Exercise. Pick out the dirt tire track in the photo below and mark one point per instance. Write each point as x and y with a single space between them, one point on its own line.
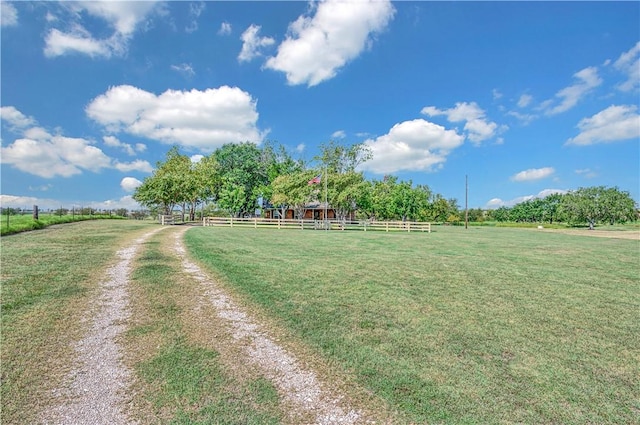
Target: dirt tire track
299 387
95 392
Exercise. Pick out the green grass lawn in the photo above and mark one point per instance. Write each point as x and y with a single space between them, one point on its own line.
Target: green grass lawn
47 278
485 325
178 379
22 223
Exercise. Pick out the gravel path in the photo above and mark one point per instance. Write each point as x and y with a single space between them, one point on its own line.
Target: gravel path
96 389
298 386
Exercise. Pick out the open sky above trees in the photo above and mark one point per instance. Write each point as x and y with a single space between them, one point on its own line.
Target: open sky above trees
526 99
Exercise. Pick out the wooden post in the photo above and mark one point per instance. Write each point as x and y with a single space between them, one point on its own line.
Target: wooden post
387 225
466 202
255 222
231 221
35 212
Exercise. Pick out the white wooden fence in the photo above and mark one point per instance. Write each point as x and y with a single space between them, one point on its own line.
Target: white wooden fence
169 219
388 226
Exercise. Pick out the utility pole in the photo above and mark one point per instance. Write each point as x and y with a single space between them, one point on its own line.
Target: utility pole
466 201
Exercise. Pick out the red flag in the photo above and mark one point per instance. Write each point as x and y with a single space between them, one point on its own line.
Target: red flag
315 180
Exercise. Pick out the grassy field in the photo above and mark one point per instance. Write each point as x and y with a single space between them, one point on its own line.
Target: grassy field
47 277
22 223
181 378
487 325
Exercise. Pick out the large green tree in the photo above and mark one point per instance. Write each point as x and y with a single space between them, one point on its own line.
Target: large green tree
339 159
344 190
345 185
278 162
599 204
168 186
243 177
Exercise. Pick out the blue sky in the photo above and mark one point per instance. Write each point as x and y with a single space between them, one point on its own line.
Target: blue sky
525 98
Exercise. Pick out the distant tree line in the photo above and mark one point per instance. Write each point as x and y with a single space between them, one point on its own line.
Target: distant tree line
588 205
240 180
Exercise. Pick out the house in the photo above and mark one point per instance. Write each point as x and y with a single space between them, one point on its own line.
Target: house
313 211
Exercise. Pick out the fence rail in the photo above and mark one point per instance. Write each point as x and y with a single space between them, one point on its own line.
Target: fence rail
169 219
388 226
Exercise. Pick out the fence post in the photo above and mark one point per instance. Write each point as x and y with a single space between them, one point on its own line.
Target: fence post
387 225
278 223
231 221
255 222
35 212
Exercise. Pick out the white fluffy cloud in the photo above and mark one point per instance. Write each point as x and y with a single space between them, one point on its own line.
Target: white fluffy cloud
114 142
525 100
252 43
417 145
111 204
476 126
57 156
8 14
129 184
339 134
533 174
45 155
14 118
525 119
122 17
587 173
200 119
26 202
78 40
184 69
195 10
629 63
225 29
617 122
316 47
137 165
568 97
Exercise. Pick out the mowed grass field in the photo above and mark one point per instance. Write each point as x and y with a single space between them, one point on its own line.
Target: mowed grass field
477 326
47 278
487 325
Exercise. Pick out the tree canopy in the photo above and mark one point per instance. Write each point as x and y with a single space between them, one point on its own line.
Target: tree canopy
586 205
